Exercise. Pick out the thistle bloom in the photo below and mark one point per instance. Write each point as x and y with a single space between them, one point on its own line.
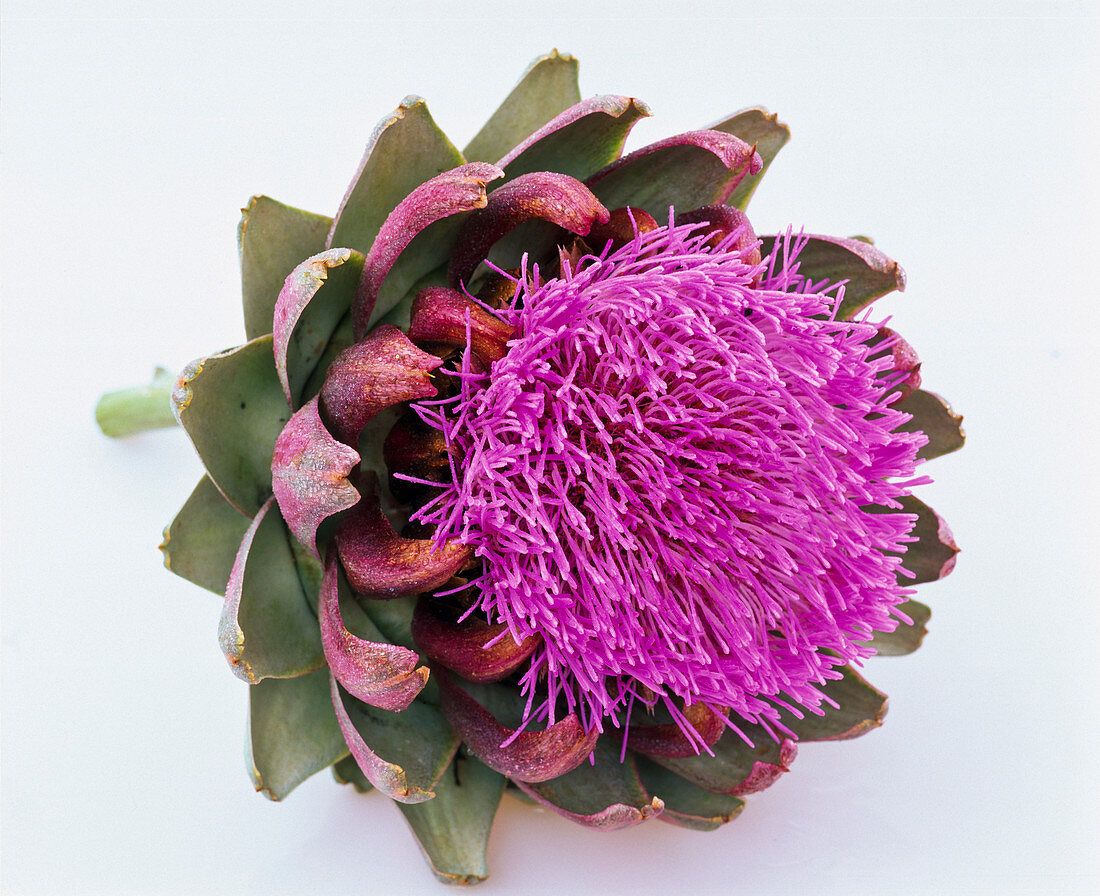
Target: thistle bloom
540 471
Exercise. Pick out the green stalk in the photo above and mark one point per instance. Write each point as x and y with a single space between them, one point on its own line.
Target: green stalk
138 409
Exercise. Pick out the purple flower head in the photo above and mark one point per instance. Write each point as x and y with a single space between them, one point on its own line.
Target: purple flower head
677 476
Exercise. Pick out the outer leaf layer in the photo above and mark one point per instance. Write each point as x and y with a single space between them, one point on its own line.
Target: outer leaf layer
685 804
760 129
293 732
734 762
869 274
859 708
201 543
606 795
406 149
453 829
687 171
233 408
272 238
906 637
347 771
548 87
417 744
578 142
932 555
905 364
267 629
763 774
934 417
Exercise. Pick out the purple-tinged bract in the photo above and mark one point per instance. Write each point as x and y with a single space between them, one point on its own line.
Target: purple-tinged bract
666 476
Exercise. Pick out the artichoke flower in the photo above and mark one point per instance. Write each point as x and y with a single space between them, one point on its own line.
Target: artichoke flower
542 472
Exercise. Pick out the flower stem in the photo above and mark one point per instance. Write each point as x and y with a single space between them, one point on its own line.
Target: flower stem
138 409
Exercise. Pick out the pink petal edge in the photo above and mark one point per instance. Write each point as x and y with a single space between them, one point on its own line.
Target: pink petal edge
387 777
309 470
384 675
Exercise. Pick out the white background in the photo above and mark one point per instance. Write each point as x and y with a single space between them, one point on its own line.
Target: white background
134 131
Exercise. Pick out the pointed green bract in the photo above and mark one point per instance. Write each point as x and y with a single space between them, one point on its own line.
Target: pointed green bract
453 829
309 571
760 129
731 763
549 86
582 145
934 417
200 544
932 555
417 741
292 731
232 407
605 794
267 629
272 238
868 273
685 804
406 149
860 708
356 620
685 172
906 637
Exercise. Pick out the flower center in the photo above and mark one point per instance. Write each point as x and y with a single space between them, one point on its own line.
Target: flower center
666 475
